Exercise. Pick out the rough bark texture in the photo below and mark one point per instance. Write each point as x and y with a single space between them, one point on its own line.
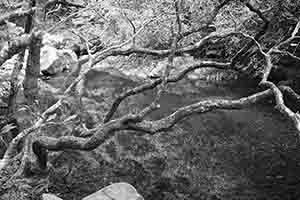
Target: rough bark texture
32 71
14 84
108 130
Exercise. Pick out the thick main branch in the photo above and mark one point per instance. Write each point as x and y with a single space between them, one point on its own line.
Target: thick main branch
129 122
149 86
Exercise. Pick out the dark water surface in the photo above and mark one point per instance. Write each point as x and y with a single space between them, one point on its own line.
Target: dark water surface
251 153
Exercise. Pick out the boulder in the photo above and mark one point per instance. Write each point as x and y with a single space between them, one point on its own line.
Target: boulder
54 61
116 191
47 196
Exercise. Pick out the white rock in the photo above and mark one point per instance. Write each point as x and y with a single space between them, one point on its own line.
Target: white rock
47 196
54 61
48 56
116 191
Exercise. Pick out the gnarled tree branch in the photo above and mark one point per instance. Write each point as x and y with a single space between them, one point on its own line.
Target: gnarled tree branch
60 2
241 54
134 122
168 122
149 86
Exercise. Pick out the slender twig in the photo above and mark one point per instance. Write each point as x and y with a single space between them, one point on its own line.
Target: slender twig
51 29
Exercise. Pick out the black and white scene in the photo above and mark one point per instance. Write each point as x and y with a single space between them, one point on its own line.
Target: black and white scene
149 99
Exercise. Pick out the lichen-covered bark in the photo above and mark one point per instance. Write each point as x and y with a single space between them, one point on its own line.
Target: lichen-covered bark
14 86
134 122
32 71
155 83
29 17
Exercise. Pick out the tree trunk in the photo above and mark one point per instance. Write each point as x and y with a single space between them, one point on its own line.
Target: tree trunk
32 71
14 87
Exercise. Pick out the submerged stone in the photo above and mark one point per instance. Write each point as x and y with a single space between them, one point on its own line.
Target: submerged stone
47 196
116 191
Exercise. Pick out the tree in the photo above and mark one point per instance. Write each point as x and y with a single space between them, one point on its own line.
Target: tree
186 23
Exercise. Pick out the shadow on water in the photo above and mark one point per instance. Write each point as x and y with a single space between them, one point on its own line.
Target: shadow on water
251 153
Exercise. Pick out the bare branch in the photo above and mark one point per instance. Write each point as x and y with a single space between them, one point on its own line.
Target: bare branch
208 27
149 86
291 38
260 14
276 91
54 27
168 122
60 3
130 22
295 117
286 53
274 49
296 30
10 152
52 11
242 52
290 93
117 51
132 122
155 104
